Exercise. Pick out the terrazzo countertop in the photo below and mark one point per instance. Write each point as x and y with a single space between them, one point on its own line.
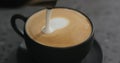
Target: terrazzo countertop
105 14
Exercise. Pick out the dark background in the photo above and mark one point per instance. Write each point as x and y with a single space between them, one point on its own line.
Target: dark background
105 14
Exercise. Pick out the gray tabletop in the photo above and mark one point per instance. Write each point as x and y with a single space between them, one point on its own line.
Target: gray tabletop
105 14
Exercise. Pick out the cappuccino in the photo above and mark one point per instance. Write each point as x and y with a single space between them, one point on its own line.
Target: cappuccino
68 28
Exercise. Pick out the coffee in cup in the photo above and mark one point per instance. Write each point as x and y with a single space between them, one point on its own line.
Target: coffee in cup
68 41
69 28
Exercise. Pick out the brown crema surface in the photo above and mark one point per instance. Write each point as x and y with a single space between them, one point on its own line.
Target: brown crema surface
76 32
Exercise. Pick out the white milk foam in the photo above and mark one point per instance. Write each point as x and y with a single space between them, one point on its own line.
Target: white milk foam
55 24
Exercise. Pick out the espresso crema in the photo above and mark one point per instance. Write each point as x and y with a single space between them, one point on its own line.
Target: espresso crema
69 28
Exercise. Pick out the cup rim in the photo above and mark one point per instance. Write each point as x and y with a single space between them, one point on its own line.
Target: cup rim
90 36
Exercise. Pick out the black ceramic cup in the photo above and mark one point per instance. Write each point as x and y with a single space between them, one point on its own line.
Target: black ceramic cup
46 54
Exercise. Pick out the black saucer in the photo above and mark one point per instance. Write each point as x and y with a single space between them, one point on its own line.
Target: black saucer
21 56
94 56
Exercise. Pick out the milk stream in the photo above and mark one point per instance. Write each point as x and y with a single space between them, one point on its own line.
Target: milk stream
47 29
54 23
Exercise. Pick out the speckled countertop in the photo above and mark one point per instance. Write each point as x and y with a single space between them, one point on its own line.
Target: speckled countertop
105 14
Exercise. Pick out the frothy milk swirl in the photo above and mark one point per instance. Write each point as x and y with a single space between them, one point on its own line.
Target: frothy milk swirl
55 24
67 28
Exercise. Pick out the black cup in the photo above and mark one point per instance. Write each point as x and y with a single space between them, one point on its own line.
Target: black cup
46 54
